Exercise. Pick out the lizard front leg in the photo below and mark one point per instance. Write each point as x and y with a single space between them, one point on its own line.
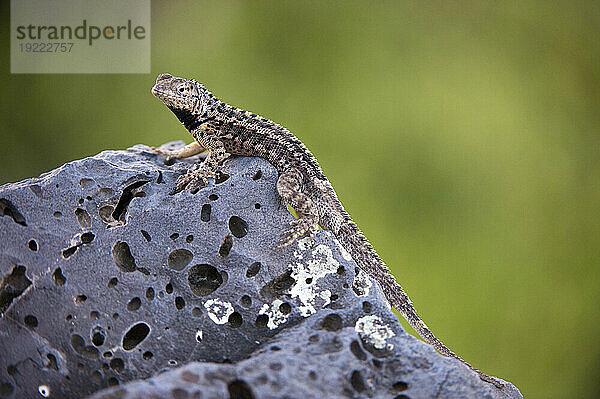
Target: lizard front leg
289 186
197 176
189 150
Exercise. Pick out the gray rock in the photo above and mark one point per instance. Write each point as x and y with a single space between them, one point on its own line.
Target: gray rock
109 279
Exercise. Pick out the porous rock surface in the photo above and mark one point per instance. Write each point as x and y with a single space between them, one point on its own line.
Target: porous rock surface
113 286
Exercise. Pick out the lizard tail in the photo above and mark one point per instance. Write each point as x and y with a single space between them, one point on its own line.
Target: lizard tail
368 260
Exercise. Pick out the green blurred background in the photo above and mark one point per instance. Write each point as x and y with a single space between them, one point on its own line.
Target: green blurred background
463 138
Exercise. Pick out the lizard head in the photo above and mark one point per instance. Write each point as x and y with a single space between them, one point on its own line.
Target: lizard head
182 95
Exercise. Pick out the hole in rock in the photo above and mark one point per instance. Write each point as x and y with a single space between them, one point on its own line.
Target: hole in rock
189 238
117 364
87 237
204 279
179 303
357 381
69 251
226 245
135 335
276 366
134 304
112 282
169 288
78 344
253 269
400 386
246 301
257 175
150 293
261 321
205 213
357 351
147 355
235 320
52 363
179 259
44 391
122 257
220 177
105 213
332 322
367 307
238 226
8 209
86 183
174 236
196 312
12 286
285 308
239 389
83 218
31 321
32 245
128 194
58 277
146 235
257 206
98 336
213 197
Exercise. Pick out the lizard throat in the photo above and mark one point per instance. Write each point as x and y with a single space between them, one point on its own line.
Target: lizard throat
189 120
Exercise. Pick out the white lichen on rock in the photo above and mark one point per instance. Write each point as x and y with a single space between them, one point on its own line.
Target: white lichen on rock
305 243
276 316
374 331
218 310
306 274
361 284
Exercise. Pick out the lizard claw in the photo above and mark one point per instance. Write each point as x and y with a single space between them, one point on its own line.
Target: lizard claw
164 153
194 180
299 227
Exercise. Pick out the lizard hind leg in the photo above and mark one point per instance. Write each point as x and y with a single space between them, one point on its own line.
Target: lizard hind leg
289 186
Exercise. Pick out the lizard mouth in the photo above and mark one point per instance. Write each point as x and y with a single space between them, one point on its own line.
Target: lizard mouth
164 94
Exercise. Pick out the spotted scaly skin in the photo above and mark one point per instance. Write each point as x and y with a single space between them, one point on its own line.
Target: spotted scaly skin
223 130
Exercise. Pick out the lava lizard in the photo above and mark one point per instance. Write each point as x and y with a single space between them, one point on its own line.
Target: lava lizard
223 129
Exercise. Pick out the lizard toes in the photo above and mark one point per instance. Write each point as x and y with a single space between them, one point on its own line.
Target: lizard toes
196 183
285 240
182 182
163 153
